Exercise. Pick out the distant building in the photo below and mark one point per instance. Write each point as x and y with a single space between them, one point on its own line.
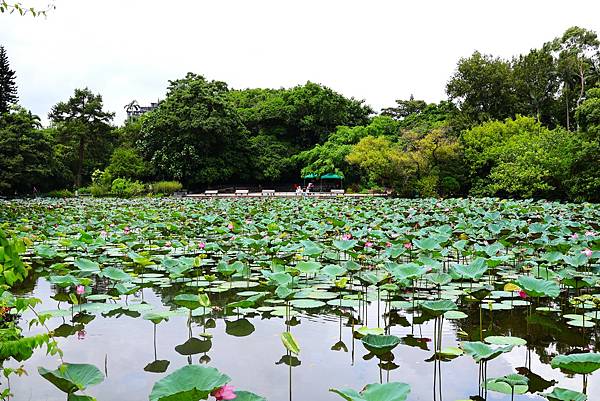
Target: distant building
133 109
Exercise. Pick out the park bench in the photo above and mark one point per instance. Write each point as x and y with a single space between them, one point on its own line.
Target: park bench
211 192
337 191
268 192
241 192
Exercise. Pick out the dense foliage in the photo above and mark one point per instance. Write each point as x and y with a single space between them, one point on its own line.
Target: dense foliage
522 127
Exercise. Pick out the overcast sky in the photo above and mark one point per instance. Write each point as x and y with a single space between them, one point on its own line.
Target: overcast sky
376 50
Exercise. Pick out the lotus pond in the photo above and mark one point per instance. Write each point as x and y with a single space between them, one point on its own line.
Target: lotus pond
308 300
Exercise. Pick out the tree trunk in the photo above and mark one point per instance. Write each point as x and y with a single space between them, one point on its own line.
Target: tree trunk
582 91
567 107
80 162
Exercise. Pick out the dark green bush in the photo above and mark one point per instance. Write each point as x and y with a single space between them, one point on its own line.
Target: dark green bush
166 187
60 193
125 188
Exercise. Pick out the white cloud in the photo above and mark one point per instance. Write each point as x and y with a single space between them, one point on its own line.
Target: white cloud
379 50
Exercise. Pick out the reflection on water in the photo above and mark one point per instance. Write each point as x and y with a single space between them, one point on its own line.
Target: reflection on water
134 353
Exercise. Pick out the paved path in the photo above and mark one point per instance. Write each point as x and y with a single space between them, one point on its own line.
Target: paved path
282 195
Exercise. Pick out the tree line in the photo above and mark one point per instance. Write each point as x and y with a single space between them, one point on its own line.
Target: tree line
521 127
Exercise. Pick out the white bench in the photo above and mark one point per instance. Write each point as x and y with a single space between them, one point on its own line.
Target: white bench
268 192
338 191
211 192
241 192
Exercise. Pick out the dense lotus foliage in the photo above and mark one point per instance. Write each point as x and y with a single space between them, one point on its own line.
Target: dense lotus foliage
467 263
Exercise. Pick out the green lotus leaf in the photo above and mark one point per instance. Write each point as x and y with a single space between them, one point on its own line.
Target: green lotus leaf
483 352
380 344
577 363
116 274
333 270
290 343
307 303
86 265
192 382
438 278
76 397
364 331
438 307
72 377
563 394
510 384
344 245
308 267
455 315
248 396
536 287
502 340
393 391
189 301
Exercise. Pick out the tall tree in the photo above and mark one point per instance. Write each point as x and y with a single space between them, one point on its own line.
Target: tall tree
578 52
195 135
25 153
405 108
483 88
8 87
82 121
537 83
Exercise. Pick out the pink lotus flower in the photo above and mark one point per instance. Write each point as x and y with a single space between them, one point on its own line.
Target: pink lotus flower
408 245
127 230
230 226
168 244
590 234
81 334
388 244
368 244
201 245
80 290
587 252
522 294
103 234
346 237
574 236
224 393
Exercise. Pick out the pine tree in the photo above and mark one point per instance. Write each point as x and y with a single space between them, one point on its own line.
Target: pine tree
8 88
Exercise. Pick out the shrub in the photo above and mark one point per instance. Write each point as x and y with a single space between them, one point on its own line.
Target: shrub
125 188
127 163
60 193
101 183
166 187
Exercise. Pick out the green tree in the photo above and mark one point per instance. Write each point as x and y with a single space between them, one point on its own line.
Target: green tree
519 158
405 108
26 156
380 160
127 163
330 157
537 84
588 113
578 62
83 124
483 89
195 135
8 87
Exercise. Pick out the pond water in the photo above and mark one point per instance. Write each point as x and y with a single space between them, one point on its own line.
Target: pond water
243 341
